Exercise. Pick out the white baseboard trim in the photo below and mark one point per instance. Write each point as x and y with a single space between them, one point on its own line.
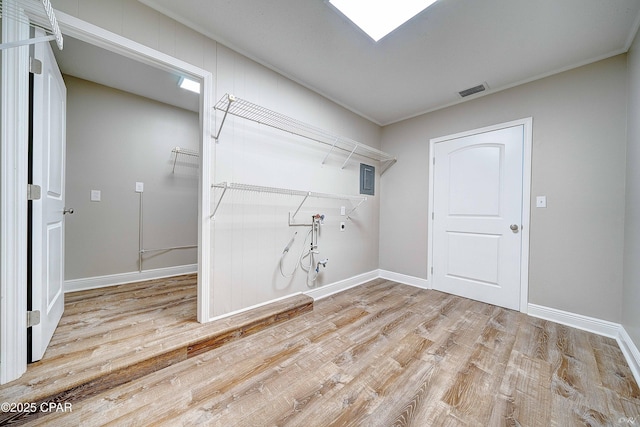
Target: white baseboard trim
404 279
630 352
261 304
342 285
316 294
596 326
75 285
586 323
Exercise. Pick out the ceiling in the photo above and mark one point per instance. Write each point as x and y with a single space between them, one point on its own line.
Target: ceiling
88 62
420 67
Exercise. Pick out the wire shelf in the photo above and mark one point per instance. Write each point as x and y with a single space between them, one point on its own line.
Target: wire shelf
230 104
284 191
178 151
37 14
185 151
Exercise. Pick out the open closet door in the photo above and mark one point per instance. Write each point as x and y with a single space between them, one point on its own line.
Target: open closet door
47 161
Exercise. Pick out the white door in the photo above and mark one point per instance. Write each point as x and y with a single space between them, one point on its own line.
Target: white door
48 171
477 206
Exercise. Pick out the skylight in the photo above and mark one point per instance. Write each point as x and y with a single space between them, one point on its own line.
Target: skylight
378 18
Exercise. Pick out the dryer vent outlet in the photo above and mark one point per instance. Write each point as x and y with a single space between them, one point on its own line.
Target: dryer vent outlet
473 90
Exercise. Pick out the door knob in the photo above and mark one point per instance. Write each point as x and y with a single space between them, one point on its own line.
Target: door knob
67 211
514 228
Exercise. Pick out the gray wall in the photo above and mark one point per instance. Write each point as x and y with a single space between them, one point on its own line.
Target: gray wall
578 162
631 290
115 139
246 246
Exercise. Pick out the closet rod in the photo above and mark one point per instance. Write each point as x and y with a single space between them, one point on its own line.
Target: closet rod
144 251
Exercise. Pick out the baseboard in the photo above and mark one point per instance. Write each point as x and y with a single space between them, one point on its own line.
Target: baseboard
630 352
578 321
596 326
253 307
316 294
404 279
121 278
342 285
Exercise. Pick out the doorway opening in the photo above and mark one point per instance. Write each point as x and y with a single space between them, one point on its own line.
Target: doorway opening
134 191
14 332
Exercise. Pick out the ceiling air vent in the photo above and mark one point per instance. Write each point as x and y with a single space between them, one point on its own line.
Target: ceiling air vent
472 90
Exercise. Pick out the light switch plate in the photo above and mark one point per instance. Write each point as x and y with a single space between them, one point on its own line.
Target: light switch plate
96 195
139 187
343 210
541 201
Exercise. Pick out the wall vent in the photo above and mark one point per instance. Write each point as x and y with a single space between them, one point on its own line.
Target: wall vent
480 88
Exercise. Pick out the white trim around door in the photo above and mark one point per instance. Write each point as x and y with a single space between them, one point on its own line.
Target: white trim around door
13 201
13 349
527 124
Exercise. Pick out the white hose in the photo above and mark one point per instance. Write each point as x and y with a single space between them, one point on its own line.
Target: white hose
286 250
309 253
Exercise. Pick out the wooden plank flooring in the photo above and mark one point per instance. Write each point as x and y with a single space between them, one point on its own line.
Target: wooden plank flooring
114 335
383 354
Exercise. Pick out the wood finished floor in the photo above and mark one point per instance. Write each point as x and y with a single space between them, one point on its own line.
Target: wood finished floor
384 354
110 336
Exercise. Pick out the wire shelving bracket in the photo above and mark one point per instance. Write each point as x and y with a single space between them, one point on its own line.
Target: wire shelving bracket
233 105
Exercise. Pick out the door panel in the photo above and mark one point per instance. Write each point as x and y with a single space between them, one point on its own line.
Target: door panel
474 181
47 225
53 274
55 141
483 248
477 197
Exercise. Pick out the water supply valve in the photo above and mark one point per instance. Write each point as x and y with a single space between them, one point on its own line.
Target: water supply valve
321 263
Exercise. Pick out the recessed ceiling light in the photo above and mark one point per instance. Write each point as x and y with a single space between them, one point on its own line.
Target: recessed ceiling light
189 84
378 18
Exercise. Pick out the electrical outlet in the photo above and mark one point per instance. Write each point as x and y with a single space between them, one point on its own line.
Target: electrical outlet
139 187
96 195
343 210
541 201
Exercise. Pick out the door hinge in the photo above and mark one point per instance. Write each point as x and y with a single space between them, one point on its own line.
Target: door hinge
33 318
34 192
432 271
434 160
433 215
35 66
